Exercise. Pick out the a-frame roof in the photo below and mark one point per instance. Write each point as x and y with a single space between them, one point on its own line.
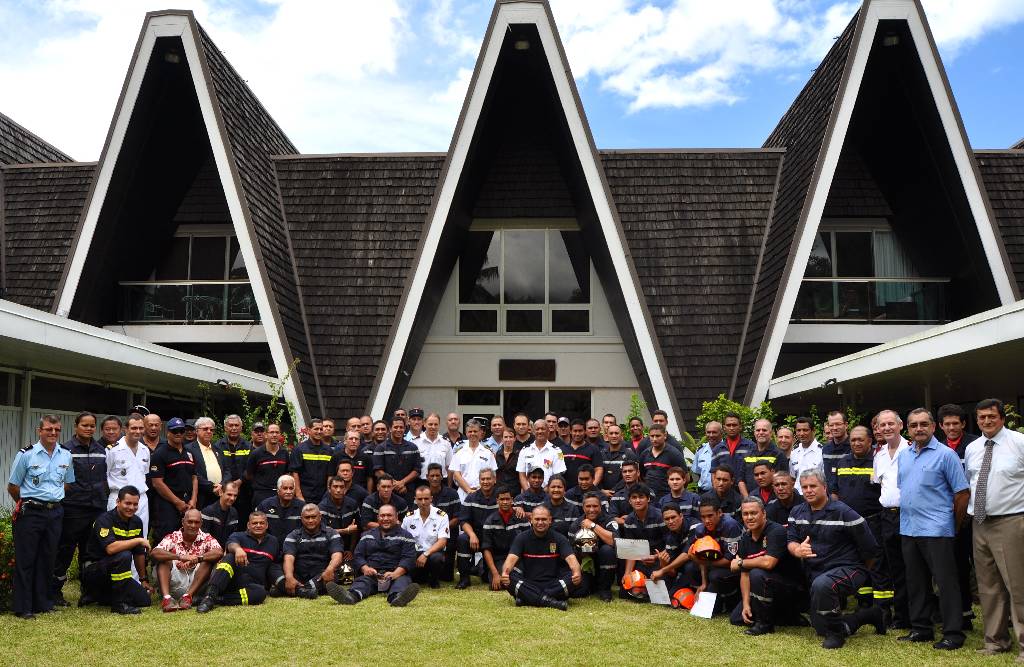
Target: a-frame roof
813 132
243 137
20 146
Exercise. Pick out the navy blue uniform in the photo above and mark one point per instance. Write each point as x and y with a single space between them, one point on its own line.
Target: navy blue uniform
730 503
232 584
371 507
498 535
313 463
562 515
778 512
219 522
575 497
176 467
721 580
362 465
655 468
263 468
852 482
84 500
599 574
842 545
384 551
447 500
770 455
282 520
397 460
688 502
651 528
618 504
613 461
529 500
236 457
576 456
541 571
832 453
776 594
735 459
108 578
312 552
476 507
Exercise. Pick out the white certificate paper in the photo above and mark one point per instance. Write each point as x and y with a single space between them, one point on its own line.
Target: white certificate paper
657 591
705 605
632 549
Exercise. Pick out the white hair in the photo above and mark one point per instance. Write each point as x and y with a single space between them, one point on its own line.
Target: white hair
231 417
205 421
282 479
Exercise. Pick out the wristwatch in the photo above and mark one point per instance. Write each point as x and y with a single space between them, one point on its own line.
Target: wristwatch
740 564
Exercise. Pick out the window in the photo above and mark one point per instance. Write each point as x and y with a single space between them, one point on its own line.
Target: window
524 281
571 403
200 278
859 272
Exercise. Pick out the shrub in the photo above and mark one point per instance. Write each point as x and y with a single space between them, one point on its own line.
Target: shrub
717 409
6 561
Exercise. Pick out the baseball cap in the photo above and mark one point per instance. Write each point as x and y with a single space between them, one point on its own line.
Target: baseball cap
536 469
175 424
416 412
190 424
259 426
563 421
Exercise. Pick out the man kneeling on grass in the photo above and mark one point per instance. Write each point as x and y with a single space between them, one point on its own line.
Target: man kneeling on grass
384 557
184 560
248 569
549 571
311 555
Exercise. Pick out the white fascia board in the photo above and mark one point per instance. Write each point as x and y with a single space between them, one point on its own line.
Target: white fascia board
992 327
180 26
860 334
192 333
37 327
879 10
518 14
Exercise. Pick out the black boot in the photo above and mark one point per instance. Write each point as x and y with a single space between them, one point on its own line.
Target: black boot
871 616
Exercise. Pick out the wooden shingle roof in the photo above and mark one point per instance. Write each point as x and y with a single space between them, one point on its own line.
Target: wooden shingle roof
1003 175
19 146
41 207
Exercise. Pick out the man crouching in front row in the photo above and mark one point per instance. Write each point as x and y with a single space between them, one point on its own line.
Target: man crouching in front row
549 571
384 557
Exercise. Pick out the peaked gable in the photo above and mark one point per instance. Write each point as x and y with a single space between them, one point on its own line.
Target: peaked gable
241 138
20 146
511 23
817 127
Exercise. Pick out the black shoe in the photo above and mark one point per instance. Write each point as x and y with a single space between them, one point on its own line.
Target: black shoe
435 584
339 594
873 616
968 626
206 605
947 644
605 596
917 637
406 596
833 641
896 624
560 605
520 603
86 600
463 583
759 629
306 593
125 609
25 615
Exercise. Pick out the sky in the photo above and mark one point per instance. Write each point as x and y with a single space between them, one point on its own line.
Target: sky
391 75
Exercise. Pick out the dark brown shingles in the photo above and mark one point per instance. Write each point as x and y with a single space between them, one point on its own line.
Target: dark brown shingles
42 206
802 133
355 222
254 137
1002 173
695 223
19 146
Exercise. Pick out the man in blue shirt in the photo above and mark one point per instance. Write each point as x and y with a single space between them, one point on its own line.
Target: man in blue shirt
39 475
933 503
702 459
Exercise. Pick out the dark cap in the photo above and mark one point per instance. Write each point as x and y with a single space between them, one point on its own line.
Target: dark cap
190 424
175 423
416 412
563 421
535 469
259 426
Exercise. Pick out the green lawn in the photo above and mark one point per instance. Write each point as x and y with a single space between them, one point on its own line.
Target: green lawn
442 627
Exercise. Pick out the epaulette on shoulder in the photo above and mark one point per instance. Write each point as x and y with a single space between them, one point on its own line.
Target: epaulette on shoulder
409 513
112 445
440 512
26 448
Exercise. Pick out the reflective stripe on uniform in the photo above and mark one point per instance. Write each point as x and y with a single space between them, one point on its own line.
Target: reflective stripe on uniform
855 471
121 532
227 568
316 457
120 576
242 593
884 595
864 590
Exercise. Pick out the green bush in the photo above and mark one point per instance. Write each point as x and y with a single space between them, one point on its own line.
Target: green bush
715 411
6 561
853 418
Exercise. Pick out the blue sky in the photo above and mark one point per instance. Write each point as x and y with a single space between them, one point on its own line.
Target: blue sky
351 75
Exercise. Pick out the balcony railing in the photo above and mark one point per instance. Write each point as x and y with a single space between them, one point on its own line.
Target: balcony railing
872 301
190 302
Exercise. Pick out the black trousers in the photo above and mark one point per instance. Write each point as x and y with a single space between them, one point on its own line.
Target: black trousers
231 585
929 558
164 518
431 572
881 590
774 599
74 534
363 587
963 552
464 555
110 581
36 534
533 593
889 523
828 592
600 579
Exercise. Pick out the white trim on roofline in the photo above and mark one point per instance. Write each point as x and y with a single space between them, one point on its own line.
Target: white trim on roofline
878 10
509 14
179 25
992 327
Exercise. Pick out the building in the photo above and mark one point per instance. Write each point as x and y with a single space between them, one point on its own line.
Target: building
524 268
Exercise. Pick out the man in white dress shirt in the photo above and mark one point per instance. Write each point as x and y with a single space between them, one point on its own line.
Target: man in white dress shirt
886 473
806 454
474 457
433 448
128 465
429 527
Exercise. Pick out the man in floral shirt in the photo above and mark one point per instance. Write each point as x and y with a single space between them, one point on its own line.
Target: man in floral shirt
185 559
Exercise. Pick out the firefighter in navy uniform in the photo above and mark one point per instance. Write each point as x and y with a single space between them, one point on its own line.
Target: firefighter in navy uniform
715 576
265 464
446 499
771 583
476 507
248 570
39 476
677 536
837 549
116 540
786 497
383 560
541 569
645 522
563 512
283 510
173 480
593 536
854 484
533 496
499 529
311 556
341 512
310 464
220 519
85 499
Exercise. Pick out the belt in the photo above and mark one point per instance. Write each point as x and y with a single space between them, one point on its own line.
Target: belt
32 502
1003 516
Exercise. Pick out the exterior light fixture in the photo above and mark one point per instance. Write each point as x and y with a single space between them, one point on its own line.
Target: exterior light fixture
522 45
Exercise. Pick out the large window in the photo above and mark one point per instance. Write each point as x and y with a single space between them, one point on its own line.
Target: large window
524 281
200 278
571 403
859 272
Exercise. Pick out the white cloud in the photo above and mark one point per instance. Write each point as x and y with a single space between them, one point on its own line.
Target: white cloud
956 23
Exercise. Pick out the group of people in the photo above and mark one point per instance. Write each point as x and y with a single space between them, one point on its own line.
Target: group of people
778 526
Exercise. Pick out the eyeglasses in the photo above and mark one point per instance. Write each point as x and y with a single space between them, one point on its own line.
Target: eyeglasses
177 431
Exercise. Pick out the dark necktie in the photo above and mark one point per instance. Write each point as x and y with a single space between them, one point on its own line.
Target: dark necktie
982 488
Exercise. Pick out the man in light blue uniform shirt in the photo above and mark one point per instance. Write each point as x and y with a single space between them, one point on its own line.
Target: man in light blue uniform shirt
933 503
37 484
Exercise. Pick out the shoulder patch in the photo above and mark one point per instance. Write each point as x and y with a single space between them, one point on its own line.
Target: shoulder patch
112 445
26 448
104 532
440 512
409 513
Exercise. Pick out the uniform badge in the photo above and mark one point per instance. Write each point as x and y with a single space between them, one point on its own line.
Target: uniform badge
124 472
104 532
553 547
35 480
733 547
764 543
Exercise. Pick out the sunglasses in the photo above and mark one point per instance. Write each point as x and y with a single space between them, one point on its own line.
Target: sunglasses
177 431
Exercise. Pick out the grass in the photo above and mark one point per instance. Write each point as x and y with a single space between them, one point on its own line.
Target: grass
440 627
